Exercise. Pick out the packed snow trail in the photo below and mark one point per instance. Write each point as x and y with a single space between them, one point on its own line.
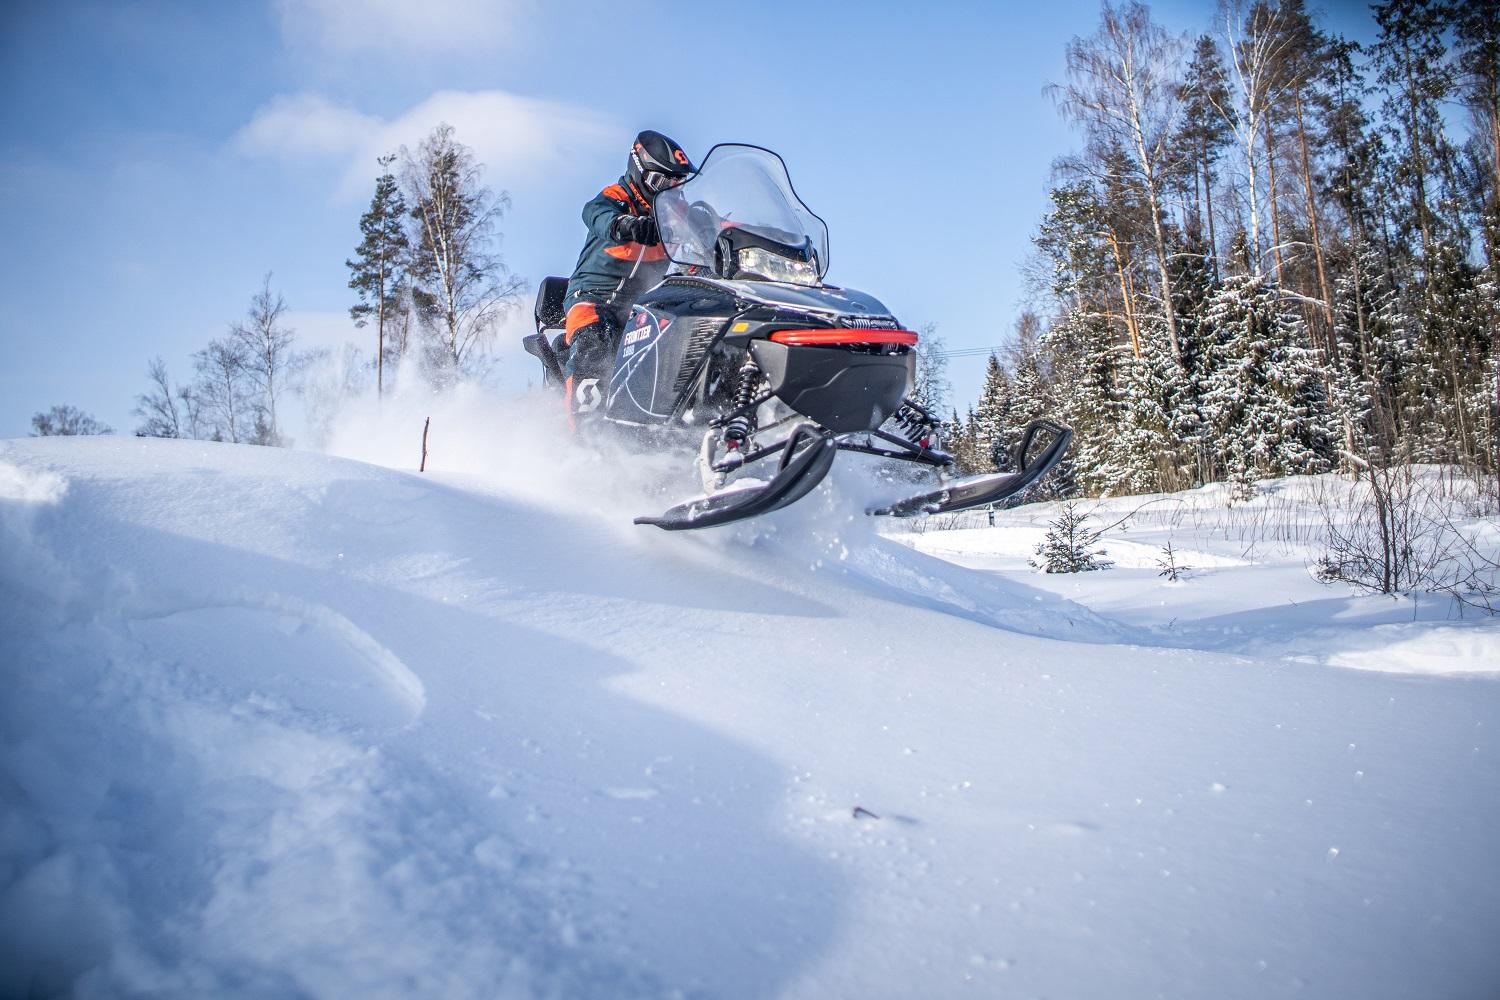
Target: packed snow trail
279 724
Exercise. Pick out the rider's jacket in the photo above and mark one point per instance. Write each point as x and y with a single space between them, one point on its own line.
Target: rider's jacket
612 274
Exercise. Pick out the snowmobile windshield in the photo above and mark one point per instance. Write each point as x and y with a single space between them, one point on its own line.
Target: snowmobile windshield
743 187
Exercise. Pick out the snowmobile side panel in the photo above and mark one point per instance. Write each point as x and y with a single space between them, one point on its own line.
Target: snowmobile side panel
980 491
667 337
800 471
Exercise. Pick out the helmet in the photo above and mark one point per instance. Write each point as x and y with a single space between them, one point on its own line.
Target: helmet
656 163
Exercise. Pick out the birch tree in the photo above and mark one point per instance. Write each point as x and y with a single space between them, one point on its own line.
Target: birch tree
223 399
157 407
1122 92
461 285
1259 47
265 348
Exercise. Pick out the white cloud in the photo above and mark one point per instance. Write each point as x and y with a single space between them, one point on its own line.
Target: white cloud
298 125
422 27
520 140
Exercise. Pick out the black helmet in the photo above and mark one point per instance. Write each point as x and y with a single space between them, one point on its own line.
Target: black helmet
656 163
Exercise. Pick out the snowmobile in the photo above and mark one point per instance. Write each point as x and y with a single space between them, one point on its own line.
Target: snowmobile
744 351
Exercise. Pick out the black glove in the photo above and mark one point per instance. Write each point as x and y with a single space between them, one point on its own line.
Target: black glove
634 229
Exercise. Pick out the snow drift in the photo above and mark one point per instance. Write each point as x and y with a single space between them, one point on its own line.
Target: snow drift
281 724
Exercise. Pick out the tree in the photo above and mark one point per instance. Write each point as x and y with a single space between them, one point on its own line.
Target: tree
1477 41
223 399
1259 47
1418 80
1120 90
931 386
66 421
380 262
991 418
1029 389
461 285
1263 400
1068 546
267 360
157 407
1205 130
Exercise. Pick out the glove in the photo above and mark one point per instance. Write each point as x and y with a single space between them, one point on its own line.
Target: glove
634 229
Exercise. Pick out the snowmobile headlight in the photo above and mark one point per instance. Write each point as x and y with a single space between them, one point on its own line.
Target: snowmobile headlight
760 263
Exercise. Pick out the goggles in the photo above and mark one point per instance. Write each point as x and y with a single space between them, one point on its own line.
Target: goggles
657 181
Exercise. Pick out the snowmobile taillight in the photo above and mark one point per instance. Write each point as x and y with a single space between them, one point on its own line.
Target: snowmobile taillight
827 337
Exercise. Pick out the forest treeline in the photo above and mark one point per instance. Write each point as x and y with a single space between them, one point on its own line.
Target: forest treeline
1275 252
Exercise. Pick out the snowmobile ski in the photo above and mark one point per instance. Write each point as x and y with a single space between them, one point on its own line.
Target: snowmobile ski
980 491
805 460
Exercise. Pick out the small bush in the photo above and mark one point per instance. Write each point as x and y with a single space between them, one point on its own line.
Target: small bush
1169 566
1069 546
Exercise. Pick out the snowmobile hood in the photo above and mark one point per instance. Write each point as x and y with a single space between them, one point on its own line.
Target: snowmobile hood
826 299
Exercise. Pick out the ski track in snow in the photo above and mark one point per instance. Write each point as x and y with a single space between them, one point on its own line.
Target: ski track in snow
280 724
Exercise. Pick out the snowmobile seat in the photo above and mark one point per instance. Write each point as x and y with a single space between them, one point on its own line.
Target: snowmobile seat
550 314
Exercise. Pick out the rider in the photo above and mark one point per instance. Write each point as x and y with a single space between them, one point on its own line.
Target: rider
621 258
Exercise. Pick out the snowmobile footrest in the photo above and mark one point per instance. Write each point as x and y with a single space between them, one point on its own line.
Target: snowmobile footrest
983 490
536 345
805 460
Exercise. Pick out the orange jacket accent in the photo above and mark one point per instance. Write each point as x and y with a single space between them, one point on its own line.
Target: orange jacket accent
636 251
581 314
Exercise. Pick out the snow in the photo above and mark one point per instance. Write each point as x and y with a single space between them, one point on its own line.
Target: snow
288 724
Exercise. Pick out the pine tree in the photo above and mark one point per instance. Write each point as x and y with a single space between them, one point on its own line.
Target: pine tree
992 417
379 263
1263 399
1207 128
1477 46
1068 546
1149 443
1409 56
1084 367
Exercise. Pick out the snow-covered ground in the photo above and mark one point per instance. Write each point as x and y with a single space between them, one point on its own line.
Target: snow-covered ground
279 724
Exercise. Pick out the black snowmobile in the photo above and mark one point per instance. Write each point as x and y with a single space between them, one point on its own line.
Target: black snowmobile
743 348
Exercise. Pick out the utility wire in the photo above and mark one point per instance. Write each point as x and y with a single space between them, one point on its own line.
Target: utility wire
970 352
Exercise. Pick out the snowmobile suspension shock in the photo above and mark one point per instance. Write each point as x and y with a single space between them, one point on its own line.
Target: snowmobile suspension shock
742 424
916 424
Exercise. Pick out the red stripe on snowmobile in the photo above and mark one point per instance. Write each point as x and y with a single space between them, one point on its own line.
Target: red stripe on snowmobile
841 336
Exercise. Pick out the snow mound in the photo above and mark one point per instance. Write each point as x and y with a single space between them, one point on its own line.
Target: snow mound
282 724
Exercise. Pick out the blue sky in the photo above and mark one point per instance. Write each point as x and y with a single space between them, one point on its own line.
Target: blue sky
157 158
